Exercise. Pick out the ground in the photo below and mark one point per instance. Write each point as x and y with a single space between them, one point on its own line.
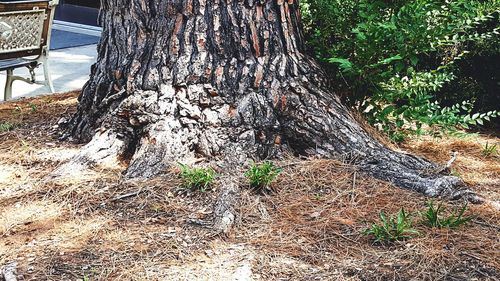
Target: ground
92 226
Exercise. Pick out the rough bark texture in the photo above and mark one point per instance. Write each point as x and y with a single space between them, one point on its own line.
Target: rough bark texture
226 81
8 272
225 208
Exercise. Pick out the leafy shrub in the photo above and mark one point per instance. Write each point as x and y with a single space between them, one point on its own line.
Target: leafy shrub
433 217
395 228
397 59
262 175
196 178
6 127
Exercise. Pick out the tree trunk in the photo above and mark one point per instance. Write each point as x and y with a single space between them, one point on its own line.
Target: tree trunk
226 81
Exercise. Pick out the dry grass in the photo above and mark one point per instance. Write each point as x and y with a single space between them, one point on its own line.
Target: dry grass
320 213
72 228
478 170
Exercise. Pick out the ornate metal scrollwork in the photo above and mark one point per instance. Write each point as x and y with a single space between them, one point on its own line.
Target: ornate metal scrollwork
21 30
5 31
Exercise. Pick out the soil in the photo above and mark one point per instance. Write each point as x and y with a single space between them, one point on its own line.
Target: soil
96 226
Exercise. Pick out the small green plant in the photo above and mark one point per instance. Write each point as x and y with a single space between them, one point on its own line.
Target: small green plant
196 178
433 217
490 150
395 228
6 127
262 175
456 173
317 196
33 107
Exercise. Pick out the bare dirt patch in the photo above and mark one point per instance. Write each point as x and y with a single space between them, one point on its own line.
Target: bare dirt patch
98 227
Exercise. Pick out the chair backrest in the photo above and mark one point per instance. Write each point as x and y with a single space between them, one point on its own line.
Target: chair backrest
25 27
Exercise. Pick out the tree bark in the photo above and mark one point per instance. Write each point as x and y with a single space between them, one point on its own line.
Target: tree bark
223 80
8 272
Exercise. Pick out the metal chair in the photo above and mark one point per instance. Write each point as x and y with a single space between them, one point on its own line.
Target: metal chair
25 28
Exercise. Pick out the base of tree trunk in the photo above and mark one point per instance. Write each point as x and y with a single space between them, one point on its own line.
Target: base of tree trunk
151 131
227 82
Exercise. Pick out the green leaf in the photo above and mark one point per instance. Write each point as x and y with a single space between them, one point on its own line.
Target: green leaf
389 60
414 60
387 110
383 217
344 64
401 217
400 123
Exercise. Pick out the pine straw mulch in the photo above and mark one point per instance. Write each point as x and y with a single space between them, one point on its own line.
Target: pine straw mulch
97 227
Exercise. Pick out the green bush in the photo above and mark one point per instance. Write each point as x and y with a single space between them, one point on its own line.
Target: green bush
397 59
196 178
262 175
394 228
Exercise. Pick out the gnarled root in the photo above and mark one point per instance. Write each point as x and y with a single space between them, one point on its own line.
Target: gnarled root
224 214
8 272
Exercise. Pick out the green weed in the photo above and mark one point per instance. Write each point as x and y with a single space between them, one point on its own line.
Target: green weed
433 217
318 196
33 107
6 127
490 150
394 228
196 178
456 173
262 175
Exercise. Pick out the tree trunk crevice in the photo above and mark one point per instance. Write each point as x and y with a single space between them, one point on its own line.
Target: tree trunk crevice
223 80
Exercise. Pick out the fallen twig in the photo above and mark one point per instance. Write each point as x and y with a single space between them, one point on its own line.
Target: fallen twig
200 222
486 224
471 256
131 194
453 158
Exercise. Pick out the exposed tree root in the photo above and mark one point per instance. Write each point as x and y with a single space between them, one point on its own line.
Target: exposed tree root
225 213
154 136
158 149
225 208
8 272
106 150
